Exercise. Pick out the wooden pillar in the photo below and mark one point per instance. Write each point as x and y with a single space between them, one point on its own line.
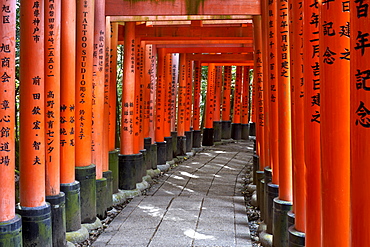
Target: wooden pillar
84 78
312 122
67 92
196 105
218 90
273 87
128 87
237 94
284 104
226 104
245 96
106 124
7 113
147 89
217 125
168 96
188 92
32 99
208 137
283 204
32 126
334 120
52 94
113 87
138 99
98 88
181 98
153 91
174 85
359 123
226 91
159 135
299 169
84 66
258 94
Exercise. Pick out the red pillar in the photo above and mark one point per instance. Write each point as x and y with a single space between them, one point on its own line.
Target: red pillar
174 85
218 90
67 92
210 96
245 96
258 88
334 120
196 109
98 89
284 104
113 87
7 113
189 98
359 123
128 87
32 117
168 96
181 98
312 123
299 169
273 87
159 135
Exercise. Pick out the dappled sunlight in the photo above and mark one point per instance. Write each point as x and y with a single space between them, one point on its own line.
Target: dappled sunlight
195 235
177 177
230 168
189 175
179 186
151 210
221 152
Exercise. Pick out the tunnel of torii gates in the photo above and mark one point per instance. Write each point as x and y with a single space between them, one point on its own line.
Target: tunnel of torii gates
309 105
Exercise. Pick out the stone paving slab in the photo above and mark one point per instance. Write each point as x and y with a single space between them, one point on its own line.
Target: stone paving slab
198 203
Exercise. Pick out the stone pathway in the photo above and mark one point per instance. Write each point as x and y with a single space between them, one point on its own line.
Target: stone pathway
198 203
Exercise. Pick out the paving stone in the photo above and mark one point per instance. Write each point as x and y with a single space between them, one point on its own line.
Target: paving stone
197 203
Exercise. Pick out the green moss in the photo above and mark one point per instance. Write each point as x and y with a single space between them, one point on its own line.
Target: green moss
192 6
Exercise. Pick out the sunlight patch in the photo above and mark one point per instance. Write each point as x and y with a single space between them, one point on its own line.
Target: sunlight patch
193 234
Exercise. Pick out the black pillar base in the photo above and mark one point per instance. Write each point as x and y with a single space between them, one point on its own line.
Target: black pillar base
236 131
280 222
245 131
252 129
127 171
296 238
73 209
36 225
291 218
149 152
272 193
138 167
86 175
11 232
256 165
268 177
161 153
109 198
169 148
113 166
144 164
58 218
181 146
197 137
101 194
174 143
226 129
208 138
259 177
154 149
189 140
217 131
